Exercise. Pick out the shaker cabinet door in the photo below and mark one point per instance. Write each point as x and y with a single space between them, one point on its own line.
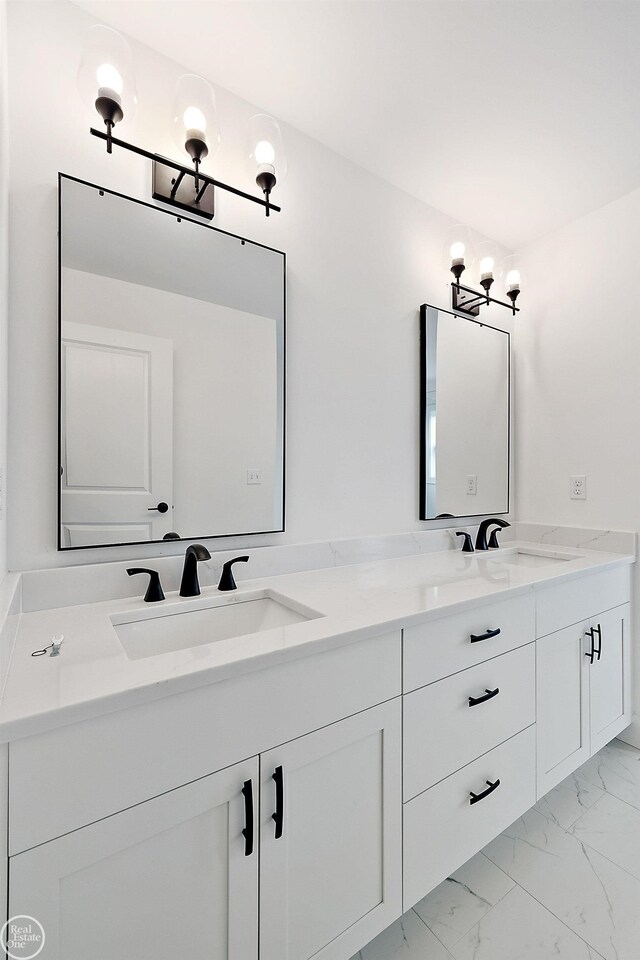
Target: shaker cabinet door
562 704
171 877
330 861
610 676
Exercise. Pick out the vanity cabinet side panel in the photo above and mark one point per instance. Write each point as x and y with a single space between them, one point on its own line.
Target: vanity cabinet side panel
152 748
562 604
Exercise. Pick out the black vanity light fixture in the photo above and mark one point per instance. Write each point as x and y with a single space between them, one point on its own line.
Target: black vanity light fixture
461 256
107 84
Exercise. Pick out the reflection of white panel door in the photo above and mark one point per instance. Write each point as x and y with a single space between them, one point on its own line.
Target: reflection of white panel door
117 435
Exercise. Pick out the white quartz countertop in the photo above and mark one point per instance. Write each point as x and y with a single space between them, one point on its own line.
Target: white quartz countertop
93 674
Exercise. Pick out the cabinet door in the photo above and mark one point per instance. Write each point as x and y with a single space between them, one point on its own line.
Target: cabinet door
331 878
610 676
562 704
167 878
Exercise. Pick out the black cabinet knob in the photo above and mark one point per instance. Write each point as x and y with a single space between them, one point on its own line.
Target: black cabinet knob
161 508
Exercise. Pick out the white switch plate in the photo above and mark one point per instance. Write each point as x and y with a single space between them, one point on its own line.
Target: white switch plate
254 476
472 485
578 488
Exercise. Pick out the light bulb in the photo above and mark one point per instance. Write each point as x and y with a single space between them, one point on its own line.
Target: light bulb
110 81
194 119
513 280
457 251
486 268
264 153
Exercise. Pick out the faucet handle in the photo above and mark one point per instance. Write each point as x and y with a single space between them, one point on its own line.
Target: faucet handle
493 539
227 579
467 546
154 591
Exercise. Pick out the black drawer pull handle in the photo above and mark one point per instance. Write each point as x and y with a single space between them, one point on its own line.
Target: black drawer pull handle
278 816
247 833
590 653
598 652
484 636
488 695
477 797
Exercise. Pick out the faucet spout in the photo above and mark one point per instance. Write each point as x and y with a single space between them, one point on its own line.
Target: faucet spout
481 538
190 586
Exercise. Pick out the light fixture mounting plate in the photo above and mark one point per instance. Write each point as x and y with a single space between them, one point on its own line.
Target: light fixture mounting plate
179 190
466 301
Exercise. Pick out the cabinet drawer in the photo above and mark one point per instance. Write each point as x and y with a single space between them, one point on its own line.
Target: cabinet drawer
443 731
441 647
89 770
442 829
564 604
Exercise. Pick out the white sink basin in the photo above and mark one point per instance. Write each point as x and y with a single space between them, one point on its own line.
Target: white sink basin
149 633
532 558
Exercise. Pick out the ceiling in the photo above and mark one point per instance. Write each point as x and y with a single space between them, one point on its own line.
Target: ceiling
515 116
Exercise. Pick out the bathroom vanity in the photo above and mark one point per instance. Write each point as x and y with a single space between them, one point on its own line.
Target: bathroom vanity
294 789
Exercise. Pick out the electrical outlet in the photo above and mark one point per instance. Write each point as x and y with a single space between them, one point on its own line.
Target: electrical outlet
472 485
254 476
578 488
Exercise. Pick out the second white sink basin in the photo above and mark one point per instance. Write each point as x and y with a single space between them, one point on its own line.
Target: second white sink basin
532 558
148 633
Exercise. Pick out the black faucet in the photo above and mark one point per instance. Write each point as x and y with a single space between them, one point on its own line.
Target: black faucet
190 586
481 538
227 579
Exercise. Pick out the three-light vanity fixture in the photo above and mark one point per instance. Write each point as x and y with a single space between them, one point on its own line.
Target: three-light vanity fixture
461 255
107 84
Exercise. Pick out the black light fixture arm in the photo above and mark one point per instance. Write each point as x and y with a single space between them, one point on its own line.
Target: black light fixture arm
185 171
473 298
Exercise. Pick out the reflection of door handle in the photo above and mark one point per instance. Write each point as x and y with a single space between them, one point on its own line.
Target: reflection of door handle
161 508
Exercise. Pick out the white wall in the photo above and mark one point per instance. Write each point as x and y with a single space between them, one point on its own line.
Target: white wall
361 257
4 296
578 375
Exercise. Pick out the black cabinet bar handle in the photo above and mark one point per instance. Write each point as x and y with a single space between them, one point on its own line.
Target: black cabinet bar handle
247 833
476 797
278 816
591 653
598 630
488 695
484 636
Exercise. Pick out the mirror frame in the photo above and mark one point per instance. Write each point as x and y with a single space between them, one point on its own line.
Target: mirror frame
205 226
423 412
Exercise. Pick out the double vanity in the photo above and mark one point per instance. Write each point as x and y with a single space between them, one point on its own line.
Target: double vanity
287 767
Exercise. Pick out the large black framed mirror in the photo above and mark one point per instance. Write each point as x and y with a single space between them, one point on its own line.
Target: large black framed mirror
171 375
464 416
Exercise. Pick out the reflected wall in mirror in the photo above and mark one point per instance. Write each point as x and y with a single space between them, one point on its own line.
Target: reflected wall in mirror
172 381
464 416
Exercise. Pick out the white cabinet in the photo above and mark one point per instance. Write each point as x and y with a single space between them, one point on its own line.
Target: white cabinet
330 861
177 876
167 878
583 692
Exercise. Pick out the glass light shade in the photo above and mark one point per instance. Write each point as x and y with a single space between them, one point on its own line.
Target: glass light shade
512 274
459 248
106 70
266 149
487 262
194 114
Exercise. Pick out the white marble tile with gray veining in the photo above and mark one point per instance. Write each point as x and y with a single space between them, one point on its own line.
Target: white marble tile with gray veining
569 800
519 928
457 904
616 541
616 769
593 896
612 827
406 939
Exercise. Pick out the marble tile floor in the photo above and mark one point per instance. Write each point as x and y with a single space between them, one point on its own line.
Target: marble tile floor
561 882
